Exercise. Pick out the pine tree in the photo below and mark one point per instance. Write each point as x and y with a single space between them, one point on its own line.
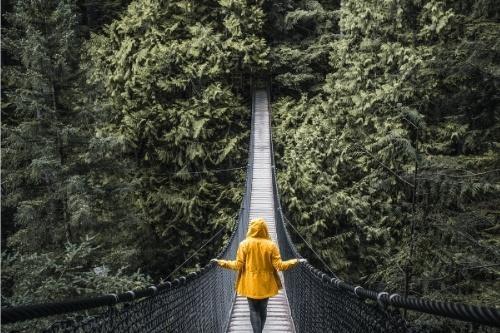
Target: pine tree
409 84
48 207
301 33
39 124
165 71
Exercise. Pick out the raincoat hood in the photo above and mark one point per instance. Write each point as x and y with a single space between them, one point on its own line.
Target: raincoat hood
258 261
258 229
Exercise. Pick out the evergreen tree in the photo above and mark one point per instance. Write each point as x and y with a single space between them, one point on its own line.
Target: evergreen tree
47 203
408 82
39 125
164 70
301 33
125 126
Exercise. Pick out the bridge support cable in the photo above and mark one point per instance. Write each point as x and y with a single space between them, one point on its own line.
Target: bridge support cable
323 303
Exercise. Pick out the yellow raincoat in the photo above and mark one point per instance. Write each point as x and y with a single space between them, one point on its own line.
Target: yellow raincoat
257 262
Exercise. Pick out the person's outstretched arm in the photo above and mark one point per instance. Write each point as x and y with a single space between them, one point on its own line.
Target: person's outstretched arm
234 264
279 264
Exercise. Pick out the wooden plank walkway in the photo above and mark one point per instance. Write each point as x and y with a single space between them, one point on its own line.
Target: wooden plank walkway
262 205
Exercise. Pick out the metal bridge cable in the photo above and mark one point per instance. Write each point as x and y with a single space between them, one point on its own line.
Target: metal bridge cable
466 176
166 306
205 171
178 173
185 261
383 165
348 307
309 245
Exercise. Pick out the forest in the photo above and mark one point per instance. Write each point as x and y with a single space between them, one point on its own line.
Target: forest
125 131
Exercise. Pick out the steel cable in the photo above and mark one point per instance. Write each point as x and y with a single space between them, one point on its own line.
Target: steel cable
338 306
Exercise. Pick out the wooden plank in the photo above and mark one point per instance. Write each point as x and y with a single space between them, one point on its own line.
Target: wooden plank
262 205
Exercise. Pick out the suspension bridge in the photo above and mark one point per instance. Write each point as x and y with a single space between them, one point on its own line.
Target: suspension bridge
205 301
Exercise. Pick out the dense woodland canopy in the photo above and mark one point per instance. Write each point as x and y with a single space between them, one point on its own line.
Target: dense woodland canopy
125 128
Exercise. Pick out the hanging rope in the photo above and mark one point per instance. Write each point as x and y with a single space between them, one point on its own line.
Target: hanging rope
339 304
308 245
191 256
200 301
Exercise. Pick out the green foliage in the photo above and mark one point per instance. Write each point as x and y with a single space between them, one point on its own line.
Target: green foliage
301 33
39 123
406 81
117 114
53 276
163 70
117 136
243 22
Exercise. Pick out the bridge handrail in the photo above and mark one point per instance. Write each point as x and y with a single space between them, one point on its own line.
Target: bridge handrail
19 313
477 314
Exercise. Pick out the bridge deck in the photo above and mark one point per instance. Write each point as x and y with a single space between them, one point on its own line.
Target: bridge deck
261 205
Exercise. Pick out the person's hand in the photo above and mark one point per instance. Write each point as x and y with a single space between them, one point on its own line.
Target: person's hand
214 260
302 260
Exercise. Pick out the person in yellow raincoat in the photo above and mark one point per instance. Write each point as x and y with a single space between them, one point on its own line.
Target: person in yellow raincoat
257 262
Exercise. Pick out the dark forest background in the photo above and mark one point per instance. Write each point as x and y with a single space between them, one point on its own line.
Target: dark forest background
125 127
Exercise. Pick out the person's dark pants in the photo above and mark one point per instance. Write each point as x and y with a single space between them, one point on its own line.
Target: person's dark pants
258 313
